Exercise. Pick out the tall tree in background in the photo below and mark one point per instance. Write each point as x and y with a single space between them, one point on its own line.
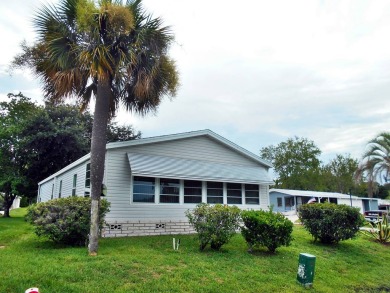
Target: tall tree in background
37 141
116 52
375 163
338 174
295 162
14 116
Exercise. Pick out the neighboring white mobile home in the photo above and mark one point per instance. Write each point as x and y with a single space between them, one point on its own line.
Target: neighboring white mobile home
151 182
287 200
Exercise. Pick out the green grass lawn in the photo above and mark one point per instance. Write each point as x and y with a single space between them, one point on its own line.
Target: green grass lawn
149 264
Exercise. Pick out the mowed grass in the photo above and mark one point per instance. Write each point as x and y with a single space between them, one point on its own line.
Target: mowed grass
149 264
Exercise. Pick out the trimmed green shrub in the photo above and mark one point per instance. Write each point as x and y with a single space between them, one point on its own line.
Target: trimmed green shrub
266 228
330 223
215 224
65 220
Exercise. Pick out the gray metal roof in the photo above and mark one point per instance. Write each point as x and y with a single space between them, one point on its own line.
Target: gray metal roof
170 167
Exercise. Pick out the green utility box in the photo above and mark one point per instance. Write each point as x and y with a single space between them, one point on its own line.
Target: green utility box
306 264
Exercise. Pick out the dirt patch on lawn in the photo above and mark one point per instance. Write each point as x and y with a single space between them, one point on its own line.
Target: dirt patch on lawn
2 246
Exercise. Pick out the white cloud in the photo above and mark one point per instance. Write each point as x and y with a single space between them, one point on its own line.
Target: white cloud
258 72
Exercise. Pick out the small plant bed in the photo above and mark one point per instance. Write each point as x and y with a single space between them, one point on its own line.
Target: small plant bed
149 264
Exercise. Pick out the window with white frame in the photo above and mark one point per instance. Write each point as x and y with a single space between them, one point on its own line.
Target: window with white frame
252 194
52 191
143 189
60 190
279 202
192 191
234 193
169 190
214 192
88 175
74 185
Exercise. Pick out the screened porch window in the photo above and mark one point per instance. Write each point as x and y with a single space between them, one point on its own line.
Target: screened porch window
252 194
234 194
214 192
143 189
169 190
192 191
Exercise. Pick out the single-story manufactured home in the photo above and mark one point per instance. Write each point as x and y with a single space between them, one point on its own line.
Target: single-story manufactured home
287 200
151 182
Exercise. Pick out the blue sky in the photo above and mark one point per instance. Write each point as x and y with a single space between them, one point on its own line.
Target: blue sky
258 72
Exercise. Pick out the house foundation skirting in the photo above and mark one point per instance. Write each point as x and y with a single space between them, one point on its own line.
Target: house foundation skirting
144 228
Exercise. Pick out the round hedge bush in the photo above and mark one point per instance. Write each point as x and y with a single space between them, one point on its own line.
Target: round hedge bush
329 222
65 220
266 228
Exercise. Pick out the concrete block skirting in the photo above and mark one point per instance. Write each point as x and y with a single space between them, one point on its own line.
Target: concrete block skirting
140 228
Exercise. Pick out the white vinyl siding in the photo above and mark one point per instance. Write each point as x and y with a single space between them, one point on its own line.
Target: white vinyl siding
196 148
45 190
65 181
119 181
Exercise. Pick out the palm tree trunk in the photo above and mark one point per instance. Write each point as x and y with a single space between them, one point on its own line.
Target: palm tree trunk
98 153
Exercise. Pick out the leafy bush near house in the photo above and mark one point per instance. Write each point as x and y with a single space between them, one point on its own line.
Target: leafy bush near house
330 223
379 231
215 224
65 220
266 228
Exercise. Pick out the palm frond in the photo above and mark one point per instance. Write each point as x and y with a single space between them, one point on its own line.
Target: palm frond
134 60
375 161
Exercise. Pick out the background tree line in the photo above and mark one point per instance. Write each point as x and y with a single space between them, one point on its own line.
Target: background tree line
297 165
37 141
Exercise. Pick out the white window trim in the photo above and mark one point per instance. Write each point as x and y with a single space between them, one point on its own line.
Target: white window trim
156 192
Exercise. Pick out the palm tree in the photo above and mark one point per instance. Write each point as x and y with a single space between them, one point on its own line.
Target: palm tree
375 162
114 52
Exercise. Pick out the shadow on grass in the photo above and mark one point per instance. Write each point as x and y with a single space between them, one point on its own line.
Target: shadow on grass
264 252
41 243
